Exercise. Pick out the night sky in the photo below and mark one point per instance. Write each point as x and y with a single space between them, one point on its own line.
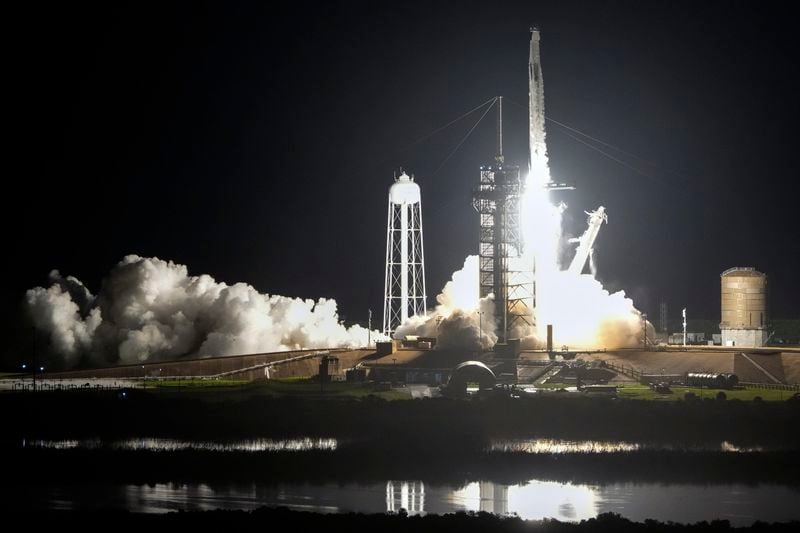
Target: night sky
256 143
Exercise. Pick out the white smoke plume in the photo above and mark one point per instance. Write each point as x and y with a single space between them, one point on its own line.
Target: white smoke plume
585 315
64 311
151 309
461 319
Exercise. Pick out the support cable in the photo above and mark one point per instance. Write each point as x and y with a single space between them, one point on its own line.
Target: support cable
609 145
394 155
446 159
437 130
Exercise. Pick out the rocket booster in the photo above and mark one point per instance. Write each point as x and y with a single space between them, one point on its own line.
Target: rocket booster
538 149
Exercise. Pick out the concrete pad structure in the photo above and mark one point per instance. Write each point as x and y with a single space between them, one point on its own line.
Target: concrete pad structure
241 367
752 365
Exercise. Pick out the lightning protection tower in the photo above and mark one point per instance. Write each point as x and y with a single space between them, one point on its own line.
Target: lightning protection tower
404 285
497 201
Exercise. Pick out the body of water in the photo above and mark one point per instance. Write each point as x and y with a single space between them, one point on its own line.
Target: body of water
741 504
535 499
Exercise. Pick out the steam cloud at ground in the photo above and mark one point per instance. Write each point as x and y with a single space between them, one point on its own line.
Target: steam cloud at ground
460 319
150 309
587 316
584 314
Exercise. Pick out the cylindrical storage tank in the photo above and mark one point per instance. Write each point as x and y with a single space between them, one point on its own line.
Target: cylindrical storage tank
731 381
744 299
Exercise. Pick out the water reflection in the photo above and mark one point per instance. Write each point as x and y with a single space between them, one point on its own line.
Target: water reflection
554 446
494 497
408 495
535 499
172 445
561 446
532 500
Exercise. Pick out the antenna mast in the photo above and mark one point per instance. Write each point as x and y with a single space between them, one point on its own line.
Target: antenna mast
499 157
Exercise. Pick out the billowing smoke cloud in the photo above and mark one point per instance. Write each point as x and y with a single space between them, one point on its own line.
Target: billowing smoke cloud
460 319
585 315
64 311
151 309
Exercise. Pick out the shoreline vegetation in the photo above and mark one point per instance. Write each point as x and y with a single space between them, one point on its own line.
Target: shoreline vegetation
367 465
435 440
463 522
223 415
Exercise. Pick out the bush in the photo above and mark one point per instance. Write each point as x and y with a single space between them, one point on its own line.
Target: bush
721 396
690 396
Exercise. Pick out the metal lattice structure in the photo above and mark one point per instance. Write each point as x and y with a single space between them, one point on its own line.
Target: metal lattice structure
404 283
502 271
663 318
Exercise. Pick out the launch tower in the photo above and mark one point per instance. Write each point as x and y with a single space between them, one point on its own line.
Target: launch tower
500 243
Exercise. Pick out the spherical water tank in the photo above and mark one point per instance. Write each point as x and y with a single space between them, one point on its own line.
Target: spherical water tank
744 299
404 191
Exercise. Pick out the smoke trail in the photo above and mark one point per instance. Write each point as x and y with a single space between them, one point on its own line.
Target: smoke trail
461 318
150 309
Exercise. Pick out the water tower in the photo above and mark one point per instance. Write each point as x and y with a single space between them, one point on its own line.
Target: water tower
404 286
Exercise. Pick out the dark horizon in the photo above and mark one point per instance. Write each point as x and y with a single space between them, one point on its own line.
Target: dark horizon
257 144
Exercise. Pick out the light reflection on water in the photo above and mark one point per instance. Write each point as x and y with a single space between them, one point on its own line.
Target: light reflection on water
534 446
532 500
561 446
172 445
553 446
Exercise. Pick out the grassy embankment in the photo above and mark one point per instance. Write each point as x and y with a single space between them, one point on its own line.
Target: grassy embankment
304 387
644 392
297 387
636 391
